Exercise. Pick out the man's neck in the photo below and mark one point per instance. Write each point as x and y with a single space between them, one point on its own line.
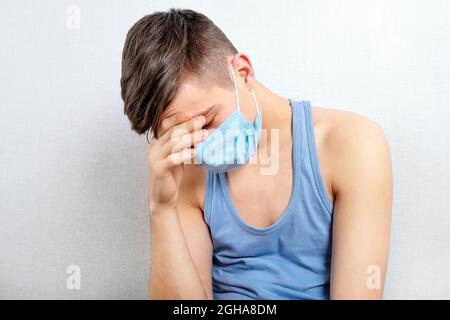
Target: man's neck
276 115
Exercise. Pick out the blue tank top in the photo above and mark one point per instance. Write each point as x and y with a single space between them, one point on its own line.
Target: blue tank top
289 259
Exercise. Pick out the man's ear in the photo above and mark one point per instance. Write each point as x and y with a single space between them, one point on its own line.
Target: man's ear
244 68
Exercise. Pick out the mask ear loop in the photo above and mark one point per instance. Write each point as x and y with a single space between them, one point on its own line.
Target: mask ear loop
237 95
254 99
235 88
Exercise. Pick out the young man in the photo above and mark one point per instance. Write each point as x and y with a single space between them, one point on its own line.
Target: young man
302 210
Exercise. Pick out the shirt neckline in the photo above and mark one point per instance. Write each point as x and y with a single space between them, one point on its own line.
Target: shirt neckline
296 152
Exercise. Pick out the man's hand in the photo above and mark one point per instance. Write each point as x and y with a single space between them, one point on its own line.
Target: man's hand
175 145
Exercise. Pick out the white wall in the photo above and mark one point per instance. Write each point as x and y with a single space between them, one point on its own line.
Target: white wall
73 177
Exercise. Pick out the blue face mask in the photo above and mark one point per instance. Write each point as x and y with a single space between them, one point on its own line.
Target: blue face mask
233 143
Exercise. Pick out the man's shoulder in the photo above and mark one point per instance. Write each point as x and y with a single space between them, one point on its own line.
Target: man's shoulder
350 141
345 129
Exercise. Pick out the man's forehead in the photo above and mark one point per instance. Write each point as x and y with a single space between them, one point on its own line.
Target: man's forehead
192 97
188 97
197 109
174 108
170 110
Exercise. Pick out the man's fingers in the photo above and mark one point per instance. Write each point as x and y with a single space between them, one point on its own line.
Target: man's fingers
172 121
177 158
186 127
178 143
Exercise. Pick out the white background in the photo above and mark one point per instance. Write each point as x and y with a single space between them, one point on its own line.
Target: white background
73 176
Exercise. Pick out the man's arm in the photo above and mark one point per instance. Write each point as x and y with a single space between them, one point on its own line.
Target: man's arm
179 241
195 229
181 252
362 183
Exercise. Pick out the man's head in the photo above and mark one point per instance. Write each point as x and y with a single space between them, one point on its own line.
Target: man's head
178 61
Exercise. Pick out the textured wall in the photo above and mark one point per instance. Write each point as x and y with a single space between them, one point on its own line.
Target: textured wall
73 177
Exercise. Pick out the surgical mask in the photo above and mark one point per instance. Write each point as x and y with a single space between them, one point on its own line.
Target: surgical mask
233 143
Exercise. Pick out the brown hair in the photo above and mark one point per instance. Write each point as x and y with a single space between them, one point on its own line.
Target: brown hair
161 51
